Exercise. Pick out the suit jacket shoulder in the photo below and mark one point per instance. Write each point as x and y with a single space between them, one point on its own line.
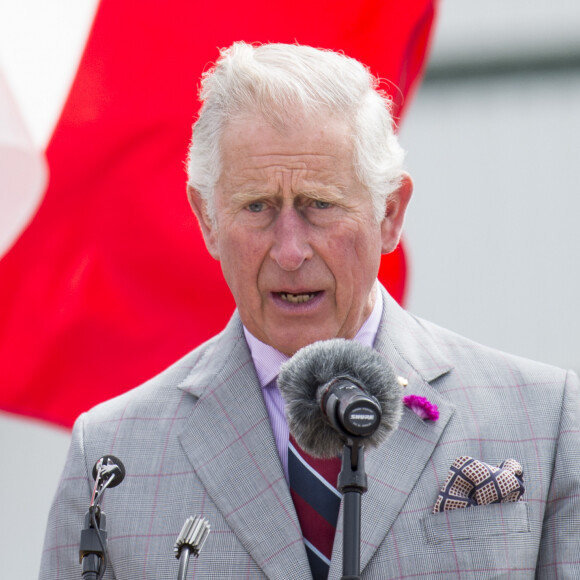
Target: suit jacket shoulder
493 406
195 440
160 392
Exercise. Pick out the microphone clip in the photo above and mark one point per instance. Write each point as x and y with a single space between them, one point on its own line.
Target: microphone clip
92 547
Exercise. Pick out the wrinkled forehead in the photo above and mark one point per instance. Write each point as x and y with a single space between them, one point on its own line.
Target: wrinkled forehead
297 127
312 155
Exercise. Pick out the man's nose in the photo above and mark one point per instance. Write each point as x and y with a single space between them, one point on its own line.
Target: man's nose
291 245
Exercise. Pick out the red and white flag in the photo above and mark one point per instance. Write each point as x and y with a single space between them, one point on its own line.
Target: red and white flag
110 282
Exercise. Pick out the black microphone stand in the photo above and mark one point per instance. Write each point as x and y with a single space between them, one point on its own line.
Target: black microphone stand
352 483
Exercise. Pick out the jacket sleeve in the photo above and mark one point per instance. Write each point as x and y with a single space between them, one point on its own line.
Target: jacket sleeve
559 554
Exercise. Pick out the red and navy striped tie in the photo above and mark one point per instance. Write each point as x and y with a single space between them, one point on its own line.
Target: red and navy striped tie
317 501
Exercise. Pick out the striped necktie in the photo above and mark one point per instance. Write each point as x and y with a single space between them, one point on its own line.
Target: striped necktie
317 501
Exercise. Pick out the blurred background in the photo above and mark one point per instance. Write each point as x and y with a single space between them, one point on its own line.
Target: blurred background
493 141
492 236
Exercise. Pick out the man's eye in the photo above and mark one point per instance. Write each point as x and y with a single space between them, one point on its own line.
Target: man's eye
256 206
319 204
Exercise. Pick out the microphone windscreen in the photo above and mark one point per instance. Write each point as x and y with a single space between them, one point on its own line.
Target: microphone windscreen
317 364
115 466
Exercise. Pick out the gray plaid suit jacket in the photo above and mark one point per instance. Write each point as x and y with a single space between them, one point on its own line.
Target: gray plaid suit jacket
197 440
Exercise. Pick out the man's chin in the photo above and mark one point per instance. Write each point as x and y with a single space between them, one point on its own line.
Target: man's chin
289 345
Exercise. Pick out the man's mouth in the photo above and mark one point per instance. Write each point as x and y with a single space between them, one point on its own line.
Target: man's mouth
297 298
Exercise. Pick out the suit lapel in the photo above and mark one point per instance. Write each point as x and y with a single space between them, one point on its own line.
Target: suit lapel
229 442
394 468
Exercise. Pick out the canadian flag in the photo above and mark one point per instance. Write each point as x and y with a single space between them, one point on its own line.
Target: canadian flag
110 282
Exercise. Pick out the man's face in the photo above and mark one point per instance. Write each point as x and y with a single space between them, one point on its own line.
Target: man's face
295 233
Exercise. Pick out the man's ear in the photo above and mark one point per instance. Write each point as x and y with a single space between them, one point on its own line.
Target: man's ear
392 224
208 228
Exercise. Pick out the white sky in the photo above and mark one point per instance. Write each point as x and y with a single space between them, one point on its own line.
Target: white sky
41 42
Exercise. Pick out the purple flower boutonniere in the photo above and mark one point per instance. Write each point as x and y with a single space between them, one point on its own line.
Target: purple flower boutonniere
422 407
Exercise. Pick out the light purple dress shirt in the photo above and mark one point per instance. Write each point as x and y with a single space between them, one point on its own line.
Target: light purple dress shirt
268 360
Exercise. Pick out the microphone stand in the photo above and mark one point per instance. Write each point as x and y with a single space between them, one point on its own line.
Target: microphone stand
352 483
92 549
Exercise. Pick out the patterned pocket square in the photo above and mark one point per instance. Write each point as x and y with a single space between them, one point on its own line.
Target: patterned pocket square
471 482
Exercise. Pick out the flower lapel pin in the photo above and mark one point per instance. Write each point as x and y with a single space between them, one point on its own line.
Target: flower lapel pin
422 407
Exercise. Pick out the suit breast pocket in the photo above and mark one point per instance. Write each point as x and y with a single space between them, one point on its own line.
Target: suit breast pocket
478 522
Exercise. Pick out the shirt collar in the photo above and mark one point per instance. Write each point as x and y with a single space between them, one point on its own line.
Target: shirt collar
268 360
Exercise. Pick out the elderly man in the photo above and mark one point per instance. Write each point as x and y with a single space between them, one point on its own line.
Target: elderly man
295 176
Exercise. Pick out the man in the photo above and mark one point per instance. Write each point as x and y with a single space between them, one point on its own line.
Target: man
296 179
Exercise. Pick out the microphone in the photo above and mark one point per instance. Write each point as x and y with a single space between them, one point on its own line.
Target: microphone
108 471
337 391
109 467
191 539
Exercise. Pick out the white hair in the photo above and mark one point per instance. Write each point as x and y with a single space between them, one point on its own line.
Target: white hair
274 79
